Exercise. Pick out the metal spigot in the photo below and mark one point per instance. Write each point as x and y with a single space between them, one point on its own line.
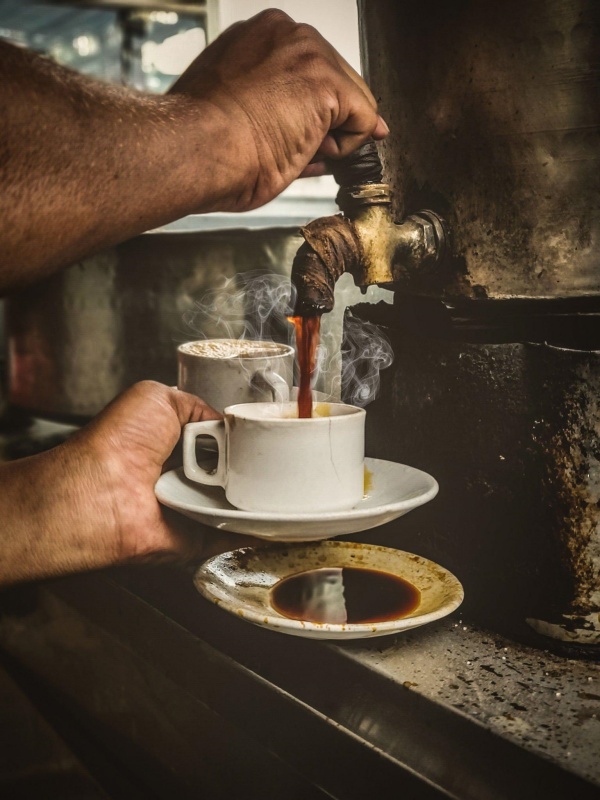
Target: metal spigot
365 241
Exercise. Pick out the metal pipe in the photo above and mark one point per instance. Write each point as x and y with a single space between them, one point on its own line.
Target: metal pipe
364 240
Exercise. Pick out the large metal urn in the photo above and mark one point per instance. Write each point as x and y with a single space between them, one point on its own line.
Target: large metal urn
494 110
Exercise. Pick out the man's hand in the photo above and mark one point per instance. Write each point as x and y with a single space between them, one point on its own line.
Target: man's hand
84 164
291 101
90 502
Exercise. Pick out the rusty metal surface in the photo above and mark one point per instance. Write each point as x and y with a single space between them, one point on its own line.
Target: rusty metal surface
512 434
331 247
494 110
571 451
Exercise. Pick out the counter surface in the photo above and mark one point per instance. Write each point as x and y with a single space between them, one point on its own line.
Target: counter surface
444 710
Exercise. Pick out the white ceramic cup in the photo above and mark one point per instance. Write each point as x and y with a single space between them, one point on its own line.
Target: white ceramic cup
269 460
224 372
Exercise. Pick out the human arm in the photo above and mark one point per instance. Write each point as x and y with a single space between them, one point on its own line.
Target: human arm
84 164
89 503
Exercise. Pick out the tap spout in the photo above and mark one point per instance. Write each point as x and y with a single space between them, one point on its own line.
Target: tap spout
364 240
331 247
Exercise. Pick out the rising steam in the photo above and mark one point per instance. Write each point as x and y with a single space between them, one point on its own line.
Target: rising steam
366 350
256 305
251 305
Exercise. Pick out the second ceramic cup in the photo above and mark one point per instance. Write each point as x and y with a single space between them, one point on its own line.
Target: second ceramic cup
224 372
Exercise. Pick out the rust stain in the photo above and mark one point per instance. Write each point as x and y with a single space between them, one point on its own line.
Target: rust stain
331 247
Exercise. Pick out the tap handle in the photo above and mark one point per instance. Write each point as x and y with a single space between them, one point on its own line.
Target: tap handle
361 167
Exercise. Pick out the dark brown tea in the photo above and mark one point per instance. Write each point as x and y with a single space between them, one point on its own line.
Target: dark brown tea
307 341
341 595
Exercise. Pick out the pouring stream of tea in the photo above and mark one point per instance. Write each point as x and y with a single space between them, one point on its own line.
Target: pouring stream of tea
307 341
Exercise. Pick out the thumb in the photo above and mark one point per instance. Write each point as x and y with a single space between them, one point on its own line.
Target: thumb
190 408
186 541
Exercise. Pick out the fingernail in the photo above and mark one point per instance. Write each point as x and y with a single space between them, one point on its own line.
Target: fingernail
385 125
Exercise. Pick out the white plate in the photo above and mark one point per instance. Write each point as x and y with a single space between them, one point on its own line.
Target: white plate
241 581
394 490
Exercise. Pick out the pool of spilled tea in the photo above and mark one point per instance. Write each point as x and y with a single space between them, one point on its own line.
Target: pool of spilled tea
344 595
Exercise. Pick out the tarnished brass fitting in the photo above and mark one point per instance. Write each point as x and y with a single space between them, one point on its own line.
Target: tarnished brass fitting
390 252
366 242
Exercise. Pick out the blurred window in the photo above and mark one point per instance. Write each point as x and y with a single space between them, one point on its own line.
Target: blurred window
146 49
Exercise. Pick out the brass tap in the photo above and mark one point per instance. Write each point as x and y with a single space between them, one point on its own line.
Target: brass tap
364 240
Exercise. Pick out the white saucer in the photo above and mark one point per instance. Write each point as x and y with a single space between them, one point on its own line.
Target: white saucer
241 581
394 490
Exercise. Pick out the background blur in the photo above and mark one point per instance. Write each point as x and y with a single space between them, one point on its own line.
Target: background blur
147 45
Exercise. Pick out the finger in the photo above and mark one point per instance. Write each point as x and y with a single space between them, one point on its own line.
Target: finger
355 122
190 408
381 129
342 64
270 16
357 79
330 147
340 144
315 170
189 541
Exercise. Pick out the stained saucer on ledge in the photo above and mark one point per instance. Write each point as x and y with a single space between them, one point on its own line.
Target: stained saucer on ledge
252 582
391 490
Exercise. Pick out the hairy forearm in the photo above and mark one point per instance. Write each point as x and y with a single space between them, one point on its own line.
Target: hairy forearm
55 517
84 164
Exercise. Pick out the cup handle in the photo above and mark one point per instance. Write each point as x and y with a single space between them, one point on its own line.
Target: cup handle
266 380
191 468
